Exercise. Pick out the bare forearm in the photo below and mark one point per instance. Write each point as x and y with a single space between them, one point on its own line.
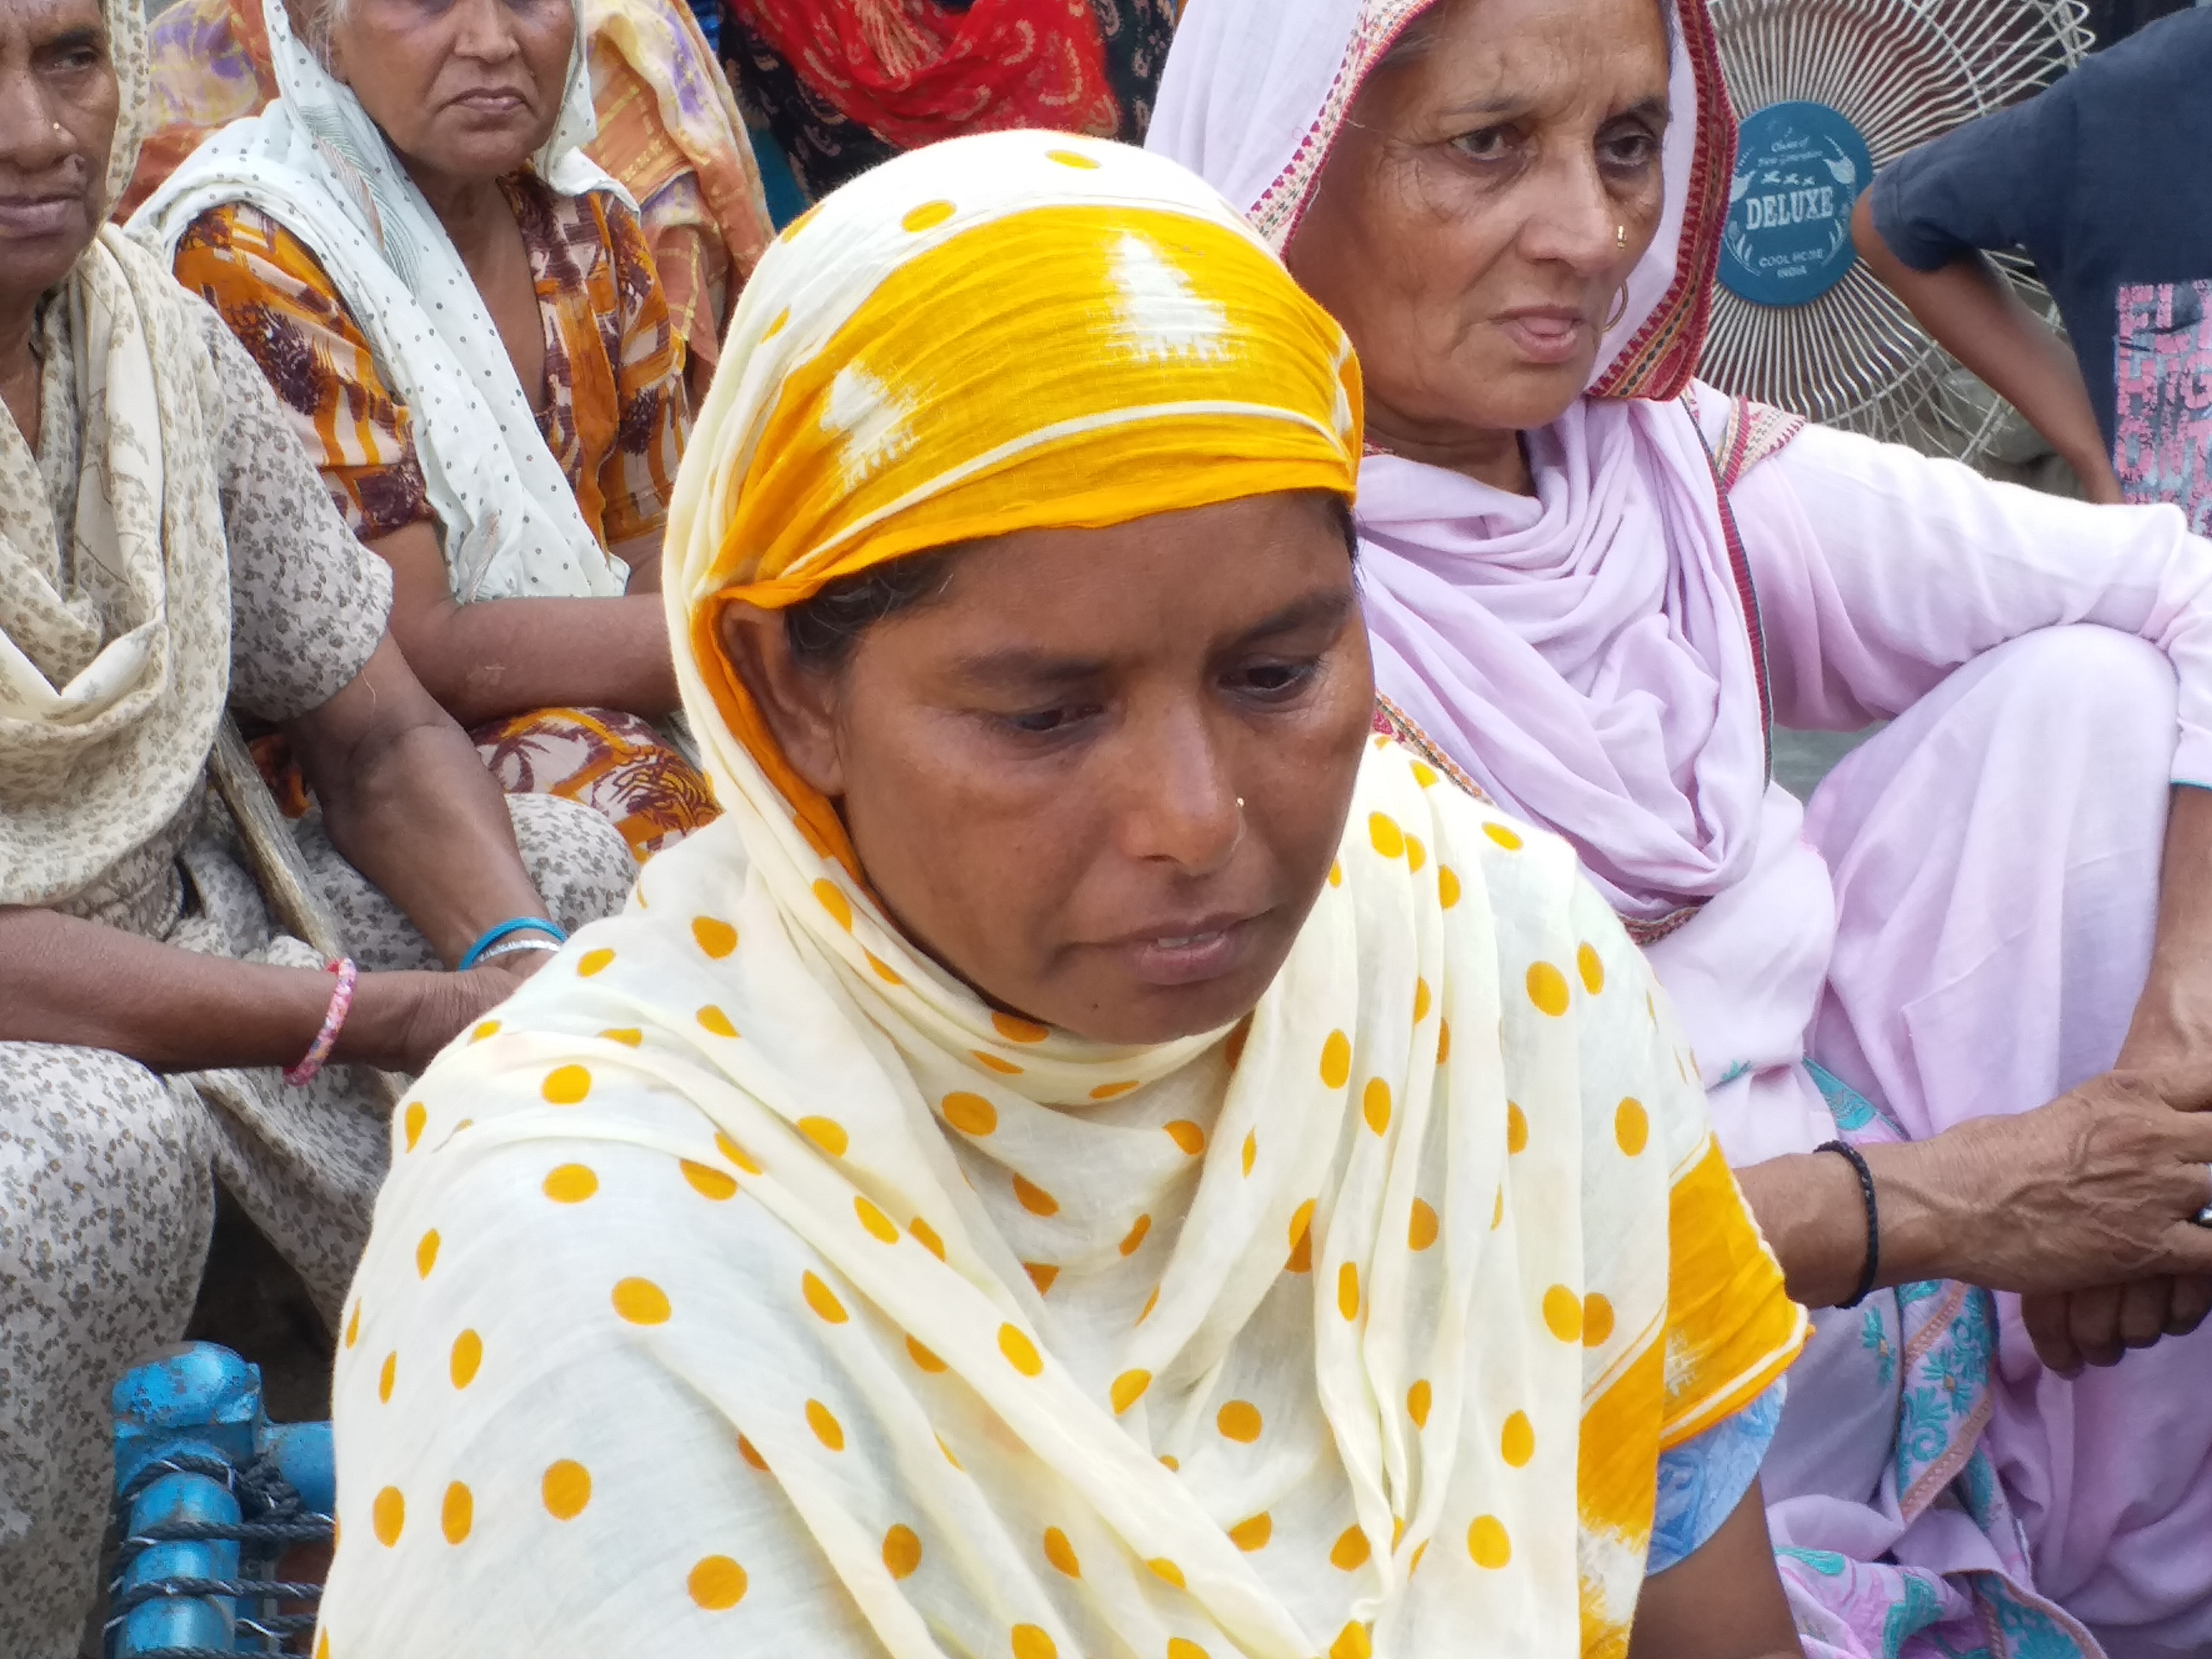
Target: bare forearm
424 820
2172 1023
1974 313
63 980
1813 1214
501 657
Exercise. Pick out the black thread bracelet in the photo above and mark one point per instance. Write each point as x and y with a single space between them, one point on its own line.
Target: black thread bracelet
1873 1268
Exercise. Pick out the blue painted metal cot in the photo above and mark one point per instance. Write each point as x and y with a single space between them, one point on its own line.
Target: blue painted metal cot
210 1495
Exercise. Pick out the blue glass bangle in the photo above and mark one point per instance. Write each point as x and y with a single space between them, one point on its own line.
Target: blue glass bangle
492 936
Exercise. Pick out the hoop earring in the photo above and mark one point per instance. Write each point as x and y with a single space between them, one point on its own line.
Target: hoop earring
1619 311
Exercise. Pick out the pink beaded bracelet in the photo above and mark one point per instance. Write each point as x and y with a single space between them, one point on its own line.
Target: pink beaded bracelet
334 1019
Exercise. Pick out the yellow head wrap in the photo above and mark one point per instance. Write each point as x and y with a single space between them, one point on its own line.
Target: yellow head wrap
1015 331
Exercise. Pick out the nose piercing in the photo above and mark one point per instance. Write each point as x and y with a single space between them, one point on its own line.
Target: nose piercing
1620 235
1239 803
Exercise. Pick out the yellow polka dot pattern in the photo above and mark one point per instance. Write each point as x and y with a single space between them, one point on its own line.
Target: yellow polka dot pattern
1375 1105
1517 1443
1562 1314
970 1114
457 1515
830 1168
923 1358
572 1183
1590 967
708 1182
1336 1061
1488 1542
823 1300
716 937
1239 1420
1547 988
1632 1127
566 1489
567 1086
737 1154
1188 1138
827 1133
833 900
715 1583
1128 1388
1421 1231
465 1360
641 1302
388 1515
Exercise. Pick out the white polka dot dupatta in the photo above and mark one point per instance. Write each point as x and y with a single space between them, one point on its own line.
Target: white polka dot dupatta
750 1285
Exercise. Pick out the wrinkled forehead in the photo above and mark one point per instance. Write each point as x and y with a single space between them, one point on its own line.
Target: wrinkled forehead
1470 62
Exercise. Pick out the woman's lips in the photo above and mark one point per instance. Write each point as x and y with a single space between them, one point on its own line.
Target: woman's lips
1193 953
38 216
1544 335
491 101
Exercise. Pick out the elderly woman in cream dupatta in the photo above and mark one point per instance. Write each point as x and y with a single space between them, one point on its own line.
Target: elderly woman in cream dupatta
1097 1152
167 551
1595 585
460 307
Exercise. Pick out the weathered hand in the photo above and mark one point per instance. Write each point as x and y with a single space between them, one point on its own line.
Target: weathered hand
2097 1327
444 1005
2098 1189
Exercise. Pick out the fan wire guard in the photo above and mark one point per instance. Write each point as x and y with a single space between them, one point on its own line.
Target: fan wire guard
1903 72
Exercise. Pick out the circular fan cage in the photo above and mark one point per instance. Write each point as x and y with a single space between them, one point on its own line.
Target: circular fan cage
1901 72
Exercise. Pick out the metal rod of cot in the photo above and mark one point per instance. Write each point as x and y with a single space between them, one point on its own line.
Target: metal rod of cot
210 1497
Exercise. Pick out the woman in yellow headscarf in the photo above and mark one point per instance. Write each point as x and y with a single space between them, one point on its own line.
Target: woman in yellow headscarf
1095 1153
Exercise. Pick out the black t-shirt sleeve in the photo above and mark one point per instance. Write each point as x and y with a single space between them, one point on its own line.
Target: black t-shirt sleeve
1998 182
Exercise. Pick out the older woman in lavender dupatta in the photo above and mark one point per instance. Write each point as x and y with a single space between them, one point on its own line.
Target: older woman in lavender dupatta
1595 585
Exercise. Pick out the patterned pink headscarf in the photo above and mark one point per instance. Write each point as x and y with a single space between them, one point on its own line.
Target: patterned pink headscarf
1589 655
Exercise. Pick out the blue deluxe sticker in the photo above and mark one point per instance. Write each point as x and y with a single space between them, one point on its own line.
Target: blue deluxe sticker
1799 168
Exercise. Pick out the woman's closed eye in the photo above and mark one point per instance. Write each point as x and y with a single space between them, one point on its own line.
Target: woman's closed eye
1056 720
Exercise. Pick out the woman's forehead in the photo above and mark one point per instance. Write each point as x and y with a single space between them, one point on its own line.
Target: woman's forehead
1152 586
38 23
1497 58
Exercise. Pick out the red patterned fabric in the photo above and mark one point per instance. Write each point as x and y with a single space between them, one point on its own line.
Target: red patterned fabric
918 72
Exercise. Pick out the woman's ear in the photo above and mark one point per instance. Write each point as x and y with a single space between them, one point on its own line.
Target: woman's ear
315 26
799 704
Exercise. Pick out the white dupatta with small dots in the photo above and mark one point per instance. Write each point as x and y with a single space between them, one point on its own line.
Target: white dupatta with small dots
315 162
